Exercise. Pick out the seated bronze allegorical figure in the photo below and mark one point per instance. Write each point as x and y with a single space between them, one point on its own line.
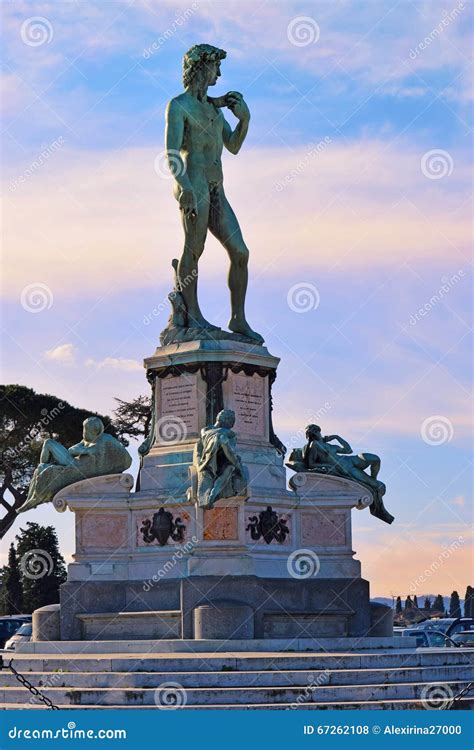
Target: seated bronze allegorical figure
97 454
219 470
331 454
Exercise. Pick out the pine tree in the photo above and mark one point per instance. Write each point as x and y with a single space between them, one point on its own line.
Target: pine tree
469 602
427 604
41 564
455 605
438 604
398 605
12 590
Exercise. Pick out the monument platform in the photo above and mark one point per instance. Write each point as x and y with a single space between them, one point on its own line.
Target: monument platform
271 562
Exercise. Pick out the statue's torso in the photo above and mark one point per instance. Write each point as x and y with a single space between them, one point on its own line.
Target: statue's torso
202 139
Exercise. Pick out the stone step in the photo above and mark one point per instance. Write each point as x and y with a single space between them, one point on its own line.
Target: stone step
251 678
240 696
178 645
211 662
387 705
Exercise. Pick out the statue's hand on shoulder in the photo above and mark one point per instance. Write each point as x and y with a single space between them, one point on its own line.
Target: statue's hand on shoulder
188 202
235 102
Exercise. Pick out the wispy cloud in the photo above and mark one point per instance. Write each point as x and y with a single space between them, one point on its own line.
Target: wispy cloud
64 354
114 363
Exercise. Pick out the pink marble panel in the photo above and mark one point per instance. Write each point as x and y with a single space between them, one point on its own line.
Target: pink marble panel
221 524
323 528
102 530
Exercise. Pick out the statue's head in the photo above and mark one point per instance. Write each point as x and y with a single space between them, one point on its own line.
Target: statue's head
225 418
313 432
202 62
93 427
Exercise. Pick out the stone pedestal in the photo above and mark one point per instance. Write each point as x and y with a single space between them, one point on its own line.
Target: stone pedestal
277 563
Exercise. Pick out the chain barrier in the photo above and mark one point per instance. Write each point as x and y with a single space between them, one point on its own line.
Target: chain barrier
27 684
460 695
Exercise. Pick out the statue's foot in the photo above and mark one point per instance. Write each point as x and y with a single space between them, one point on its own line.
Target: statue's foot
199 321
240 325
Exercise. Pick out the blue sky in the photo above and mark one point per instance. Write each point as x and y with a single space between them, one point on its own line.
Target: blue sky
376 219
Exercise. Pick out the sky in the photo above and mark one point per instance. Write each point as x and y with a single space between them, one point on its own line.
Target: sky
353 191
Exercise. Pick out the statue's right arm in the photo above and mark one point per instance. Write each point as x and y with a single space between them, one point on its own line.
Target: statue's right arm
174 140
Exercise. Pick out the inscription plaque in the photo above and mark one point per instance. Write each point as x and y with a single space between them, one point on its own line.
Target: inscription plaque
178 414
246 395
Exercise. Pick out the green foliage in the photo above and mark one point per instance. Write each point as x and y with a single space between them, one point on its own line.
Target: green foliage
26 419
469 602
427 604
398 605
12 589
438 604
132 418
42 565
454 605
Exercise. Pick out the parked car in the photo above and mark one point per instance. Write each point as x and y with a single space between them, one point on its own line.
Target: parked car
426 638
9 624
439 632
465 639
23 634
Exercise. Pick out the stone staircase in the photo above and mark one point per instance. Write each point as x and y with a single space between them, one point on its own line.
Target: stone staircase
381 679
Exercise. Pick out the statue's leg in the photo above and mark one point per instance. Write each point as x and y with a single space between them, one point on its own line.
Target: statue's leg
221 482
195 231
54 452
370 459
225 227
